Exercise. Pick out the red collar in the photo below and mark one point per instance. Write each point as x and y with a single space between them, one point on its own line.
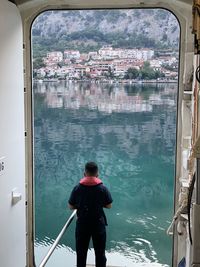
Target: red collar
90 181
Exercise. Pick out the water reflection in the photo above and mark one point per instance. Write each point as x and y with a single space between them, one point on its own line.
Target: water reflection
130 131
105 98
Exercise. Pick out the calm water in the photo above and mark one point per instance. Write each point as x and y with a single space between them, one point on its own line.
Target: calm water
130 132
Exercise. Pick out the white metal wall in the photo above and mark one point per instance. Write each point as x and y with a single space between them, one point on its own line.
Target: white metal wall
12 216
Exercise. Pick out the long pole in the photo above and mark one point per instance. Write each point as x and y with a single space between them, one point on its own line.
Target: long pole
51 250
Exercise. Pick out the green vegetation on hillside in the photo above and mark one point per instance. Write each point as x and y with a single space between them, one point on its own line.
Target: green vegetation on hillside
91 40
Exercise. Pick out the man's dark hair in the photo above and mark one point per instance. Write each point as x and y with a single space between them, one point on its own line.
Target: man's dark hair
91 168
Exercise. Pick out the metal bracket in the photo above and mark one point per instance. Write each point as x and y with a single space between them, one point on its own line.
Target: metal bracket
16 196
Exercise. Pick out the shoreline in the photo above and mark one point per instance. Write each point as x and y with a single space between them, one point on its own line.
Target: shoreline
107 81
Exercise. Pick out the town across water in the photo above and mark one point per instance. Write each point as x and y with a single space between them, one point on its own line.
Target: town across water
130 131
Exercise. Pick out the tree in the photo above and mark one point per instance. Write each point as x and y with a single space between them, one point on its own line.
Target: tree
110 73
147 72
159 74
34 73
132 73
38 63
60 64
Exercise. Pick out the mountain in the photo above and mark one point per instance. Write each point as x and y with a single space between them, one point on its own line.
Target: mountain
88 30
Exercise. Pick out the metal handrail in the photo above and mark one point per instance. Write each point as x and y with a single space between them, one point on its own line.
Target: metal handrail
55 243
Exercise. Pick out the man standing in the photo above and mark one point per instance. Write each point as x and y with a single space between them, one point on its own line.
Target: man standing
89 197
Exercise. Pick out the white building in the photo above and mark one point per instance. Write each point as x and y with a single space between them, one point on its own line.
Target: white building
129 53
107 52
120 71
70 54
145 54
155 64
54 57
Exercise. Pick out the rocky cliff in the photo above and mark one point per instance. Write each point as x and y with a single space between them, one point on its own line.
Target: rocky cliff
90 29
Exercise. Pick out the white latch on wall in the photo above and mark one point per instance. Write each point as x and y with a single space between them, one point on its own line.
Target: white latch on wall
16 196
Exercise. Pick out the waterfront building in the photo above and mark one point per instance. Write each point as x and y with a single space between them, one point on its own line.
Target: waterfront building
54 57
71 54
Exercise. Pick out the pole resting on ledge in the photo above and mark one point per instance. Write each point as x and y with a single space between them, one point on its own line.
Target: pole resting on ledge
55 243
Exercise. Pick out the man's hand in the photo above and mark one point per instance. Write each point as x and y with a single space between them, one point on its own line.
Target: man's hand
72 207
108 206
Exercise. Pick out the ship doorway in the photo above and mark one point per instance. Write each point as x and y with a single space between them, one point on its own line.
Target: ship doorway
107 95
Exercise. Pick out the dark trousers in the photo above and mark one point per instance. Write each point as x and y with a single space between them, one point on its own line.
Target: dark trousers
96 231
